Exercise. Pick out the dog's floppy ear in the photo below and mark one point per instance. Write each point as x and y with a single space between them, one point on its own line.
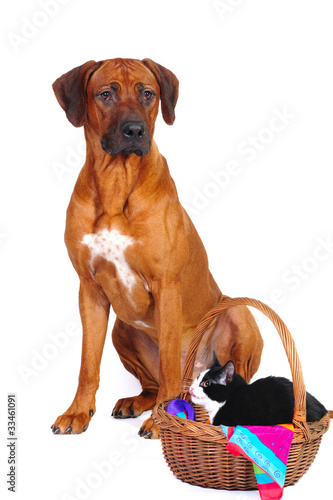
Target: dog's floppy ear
169 84
70 91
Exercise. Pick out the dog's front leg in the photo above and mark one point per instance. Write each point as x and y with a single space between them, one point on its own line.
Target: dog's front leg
168 318
94 311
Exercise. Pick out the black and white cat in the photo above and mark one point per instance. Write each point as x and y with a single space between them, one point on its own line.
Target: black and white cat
229 400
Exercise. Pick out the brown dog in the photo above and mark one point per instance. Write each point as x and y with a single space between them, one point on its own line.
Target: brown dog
134 247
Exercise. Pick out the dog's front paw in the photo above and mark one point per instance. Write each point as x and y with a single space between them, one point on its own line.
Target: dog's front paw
149 429
133 407
73 421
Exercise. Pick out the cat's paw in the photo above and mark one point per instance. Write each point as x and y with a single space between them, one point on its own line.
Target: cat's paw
149 429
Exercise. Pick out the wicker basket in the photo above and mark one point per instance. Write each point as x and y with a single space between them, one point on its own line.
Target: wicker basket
196 452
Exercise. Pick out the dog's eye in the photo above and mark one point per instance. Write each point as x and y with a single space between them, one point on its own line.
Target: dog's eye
106 95
147 95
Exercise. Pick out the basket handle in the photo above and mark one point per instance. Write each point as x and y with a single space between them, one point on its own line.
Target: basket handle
299 419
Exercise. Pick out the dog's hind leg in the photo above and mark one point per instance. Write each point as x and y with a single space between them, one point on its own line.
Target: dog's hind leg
139 355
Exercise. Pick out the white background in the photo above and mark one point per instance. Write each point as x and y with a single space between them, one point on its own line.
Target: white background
236 65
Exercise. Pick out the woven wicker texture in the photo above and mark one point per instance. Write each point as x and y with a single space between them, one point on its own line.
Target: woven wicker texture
196 452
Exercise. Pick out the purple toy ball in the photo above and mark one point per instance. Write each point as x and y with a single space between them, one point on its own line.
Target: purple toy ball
181 409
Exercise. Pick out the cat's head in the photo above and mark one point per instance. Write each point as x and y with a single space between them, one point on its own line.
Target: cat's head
212 384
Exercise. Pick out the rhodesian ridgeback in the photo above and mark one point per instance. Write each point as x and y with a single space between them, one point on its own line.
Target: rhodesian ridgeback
135 248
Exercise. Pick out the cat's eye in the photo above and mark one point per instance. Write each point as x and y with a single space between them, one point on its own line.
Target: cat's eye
206 383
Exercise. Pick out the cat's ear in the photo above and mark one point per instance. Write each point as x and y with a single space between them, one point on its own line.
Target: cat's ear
216 361
227 373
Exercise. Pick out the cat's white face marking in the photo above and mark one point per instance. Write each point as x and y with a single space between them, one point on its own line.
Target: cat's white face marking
196 391
111 245
199 397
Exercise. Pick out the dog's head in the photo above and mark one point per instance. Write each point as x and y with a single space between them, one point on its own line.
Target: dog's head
117 101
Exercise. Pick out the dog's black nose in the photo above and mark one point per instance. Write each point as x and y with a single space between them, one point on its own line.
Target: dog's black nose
134 130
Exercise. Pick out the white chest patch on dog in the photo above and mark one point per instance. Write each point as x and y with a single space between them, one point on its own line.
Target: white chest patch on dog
142 324
111 245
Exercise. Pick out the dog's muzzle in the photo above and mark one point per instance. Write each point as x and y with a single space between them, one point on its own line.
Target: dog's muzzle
133 137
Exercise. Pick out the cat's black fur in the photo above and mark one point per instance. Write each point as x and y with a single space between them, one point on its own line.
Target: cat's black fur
268 401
